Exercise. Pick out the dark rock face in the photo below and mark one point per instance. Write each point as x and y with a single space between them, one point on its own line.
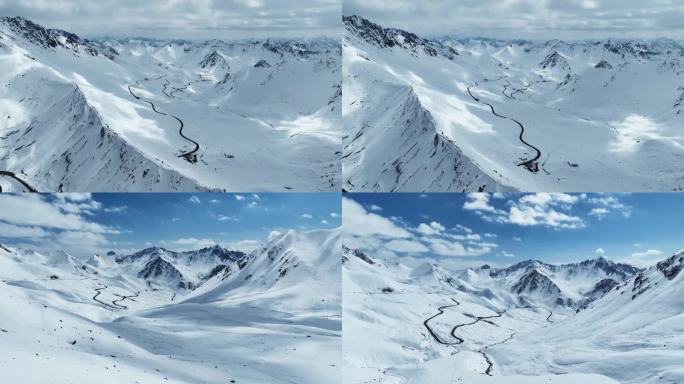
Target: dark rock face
599 289
158 267
358 253
214 60
221 270
391 37
535 282
554 60
55 38
603 65
262 64
671 266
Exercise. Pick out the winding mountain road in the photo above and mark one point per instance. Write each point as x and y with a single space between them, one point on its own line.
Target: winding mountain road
532 164
16 178
124 297
97 293
459 340
441 312
190 156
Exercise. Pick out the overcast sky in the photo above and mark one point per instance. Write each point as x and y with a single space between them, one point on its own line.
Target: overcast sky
534 19
190 19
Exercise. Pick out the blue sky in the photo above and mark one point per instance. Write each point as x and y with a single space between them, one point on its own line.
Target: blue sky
505 228
125 222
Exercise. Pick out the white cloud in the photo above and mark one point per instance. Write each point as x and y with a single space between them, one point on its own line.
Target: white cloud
324 221
507 254
515 238
116 209
359 222
599 252
478 202
374 207
444 247
525 215
15 231
306 216
334 215
274 235
239 197
47 212
608 204
490 235
404 246
227 218
433 228
194 199
242 245
538 209
599 212
214 201
643 259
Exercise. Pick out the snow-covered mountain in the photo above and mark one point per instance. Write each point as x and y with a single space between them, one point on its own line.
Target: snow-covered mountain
172 115
426 323
632 334
475 114
159 315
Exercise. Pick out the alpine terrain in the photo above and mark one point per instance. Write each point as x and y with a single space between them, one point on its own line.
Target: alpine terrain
141 114
205 316
478 114
594 321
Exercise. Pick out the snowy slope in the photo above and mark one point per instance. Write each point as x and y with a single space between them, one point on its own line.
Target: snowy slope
148 115
522 115
428 324
66 320
633 334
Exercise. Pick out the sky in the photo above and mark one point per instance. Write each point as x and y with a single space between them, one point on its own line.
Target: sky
184 19
528 19
502 229
84 224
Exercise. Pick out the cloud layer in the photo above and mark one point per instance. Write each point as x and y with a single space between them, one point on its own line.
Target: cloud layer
544 19
188 19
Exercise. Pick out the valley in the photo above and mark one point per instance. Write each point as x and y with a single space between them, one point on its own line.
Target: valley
138 114
452 114
211 315
530 322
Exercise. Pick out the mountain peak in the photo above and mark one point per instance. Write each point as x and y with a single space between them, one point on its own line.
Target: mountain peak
393 37
33 33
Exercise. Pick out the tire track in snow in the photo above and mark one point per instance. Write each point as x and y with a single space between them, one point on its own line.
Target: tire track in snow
124 297
532 164
441 312
190 156
20 181
459 340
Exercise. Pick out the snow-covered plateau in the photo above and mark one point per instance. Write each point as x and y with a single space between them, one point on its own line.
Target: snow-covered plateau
159 316
166 115
476 114
594 321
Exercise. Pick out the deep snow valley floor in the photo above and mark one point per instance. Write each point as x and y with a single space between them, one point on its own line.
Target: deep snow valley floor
74 329
439 337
